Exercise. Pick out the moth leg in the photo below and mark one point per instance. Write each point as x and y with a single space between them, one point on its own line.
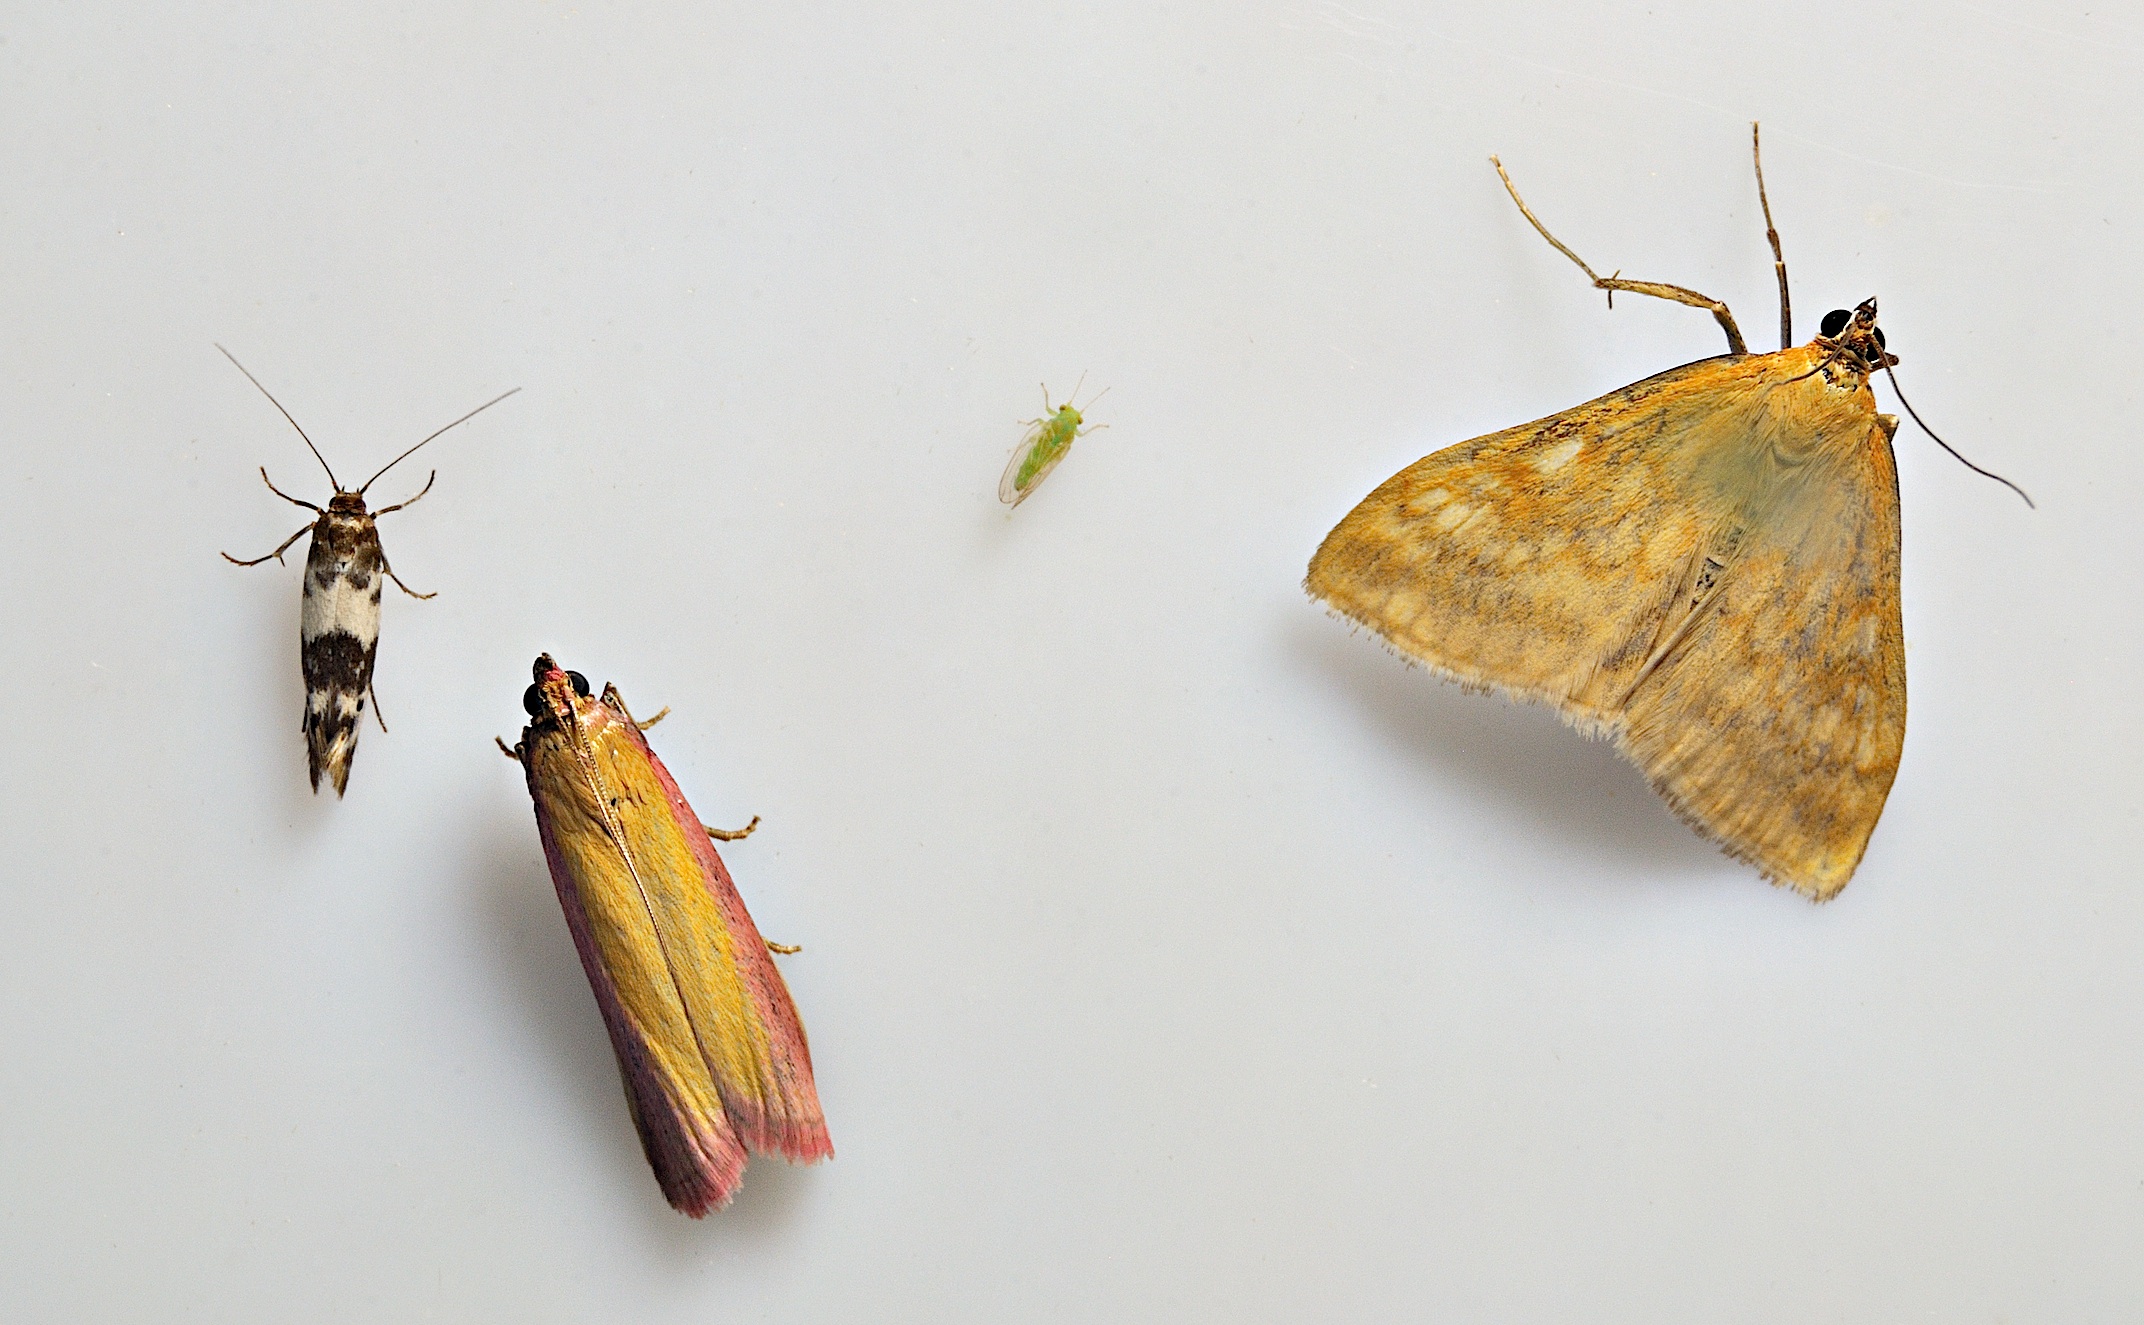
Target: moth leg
1658 290
736 835
387 510
513 754
615 700
398 579
284 495
1779 259
372 689
786 949
276 555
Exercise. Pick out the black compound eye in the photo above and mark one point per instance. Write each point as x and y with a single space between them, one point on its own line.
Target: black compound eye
532 700
580 684
1879 338
1835 322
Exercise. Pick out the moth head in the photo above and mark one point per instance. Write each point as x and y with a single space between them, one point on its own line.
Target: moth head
552 697
346 503
1857 334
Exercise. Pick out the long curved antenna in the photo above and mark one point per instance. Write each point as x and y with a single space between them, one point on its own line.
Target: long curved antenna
1948 447
1779 260
1657 289
284 412
413 450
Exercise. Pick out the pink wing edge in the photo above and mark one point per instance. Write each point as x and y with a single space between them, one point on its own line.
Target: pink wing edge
788 1122
699 1163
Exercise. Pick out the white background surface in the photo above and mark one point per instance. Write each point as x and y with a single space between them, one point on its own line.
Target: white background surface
1169 952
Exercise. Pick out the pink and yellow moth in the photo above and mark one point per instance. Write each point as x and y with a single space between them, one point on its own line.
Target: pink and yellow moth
712 1053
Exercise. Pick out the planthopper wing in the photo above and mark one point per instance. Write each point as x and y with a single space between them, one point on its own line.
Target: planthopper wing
1049 439
1702 566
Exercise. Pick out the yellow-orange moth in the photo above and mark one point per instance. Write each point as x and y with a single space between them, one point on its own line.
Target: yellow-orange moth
708 1042
1701 567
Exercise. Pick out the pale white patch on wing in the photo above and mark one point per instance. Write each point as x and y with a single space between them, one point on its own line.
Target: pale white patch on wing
1452 516
1557 456
338 703
353 609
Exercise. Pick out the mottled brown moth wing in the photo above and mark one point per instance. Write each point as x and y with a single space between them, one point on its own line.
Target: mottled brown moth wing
1702 566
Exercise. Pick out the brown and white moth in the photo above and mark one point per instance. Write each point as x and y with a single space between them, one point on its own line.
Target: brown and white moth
339 615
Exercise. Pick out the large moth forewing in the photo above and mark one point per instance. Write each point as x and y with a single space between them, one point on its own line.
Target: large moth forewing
1702 567
339 607
709 1044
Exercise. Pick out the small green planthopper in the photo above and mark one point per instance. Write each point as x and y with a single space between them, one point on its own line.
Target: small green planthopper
1048 439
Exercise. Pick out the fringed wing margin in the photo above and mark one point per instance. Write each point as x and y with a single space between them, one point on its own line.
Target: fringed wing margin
1537 561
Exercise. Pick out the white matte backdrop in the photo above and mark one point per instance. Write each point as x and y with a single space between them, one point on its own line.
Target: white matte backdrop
1169 952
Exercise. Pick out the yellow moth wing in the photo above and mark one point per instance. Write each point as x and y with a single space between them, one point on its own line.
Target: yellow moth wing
1776 723
1702 565
689 967
1527 560
623 888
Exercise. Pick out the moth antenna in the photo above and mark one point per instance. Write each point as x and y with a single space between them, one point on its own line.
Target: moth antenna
1657 289
284 412
1779 260
413 450
1984 473
1822 364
